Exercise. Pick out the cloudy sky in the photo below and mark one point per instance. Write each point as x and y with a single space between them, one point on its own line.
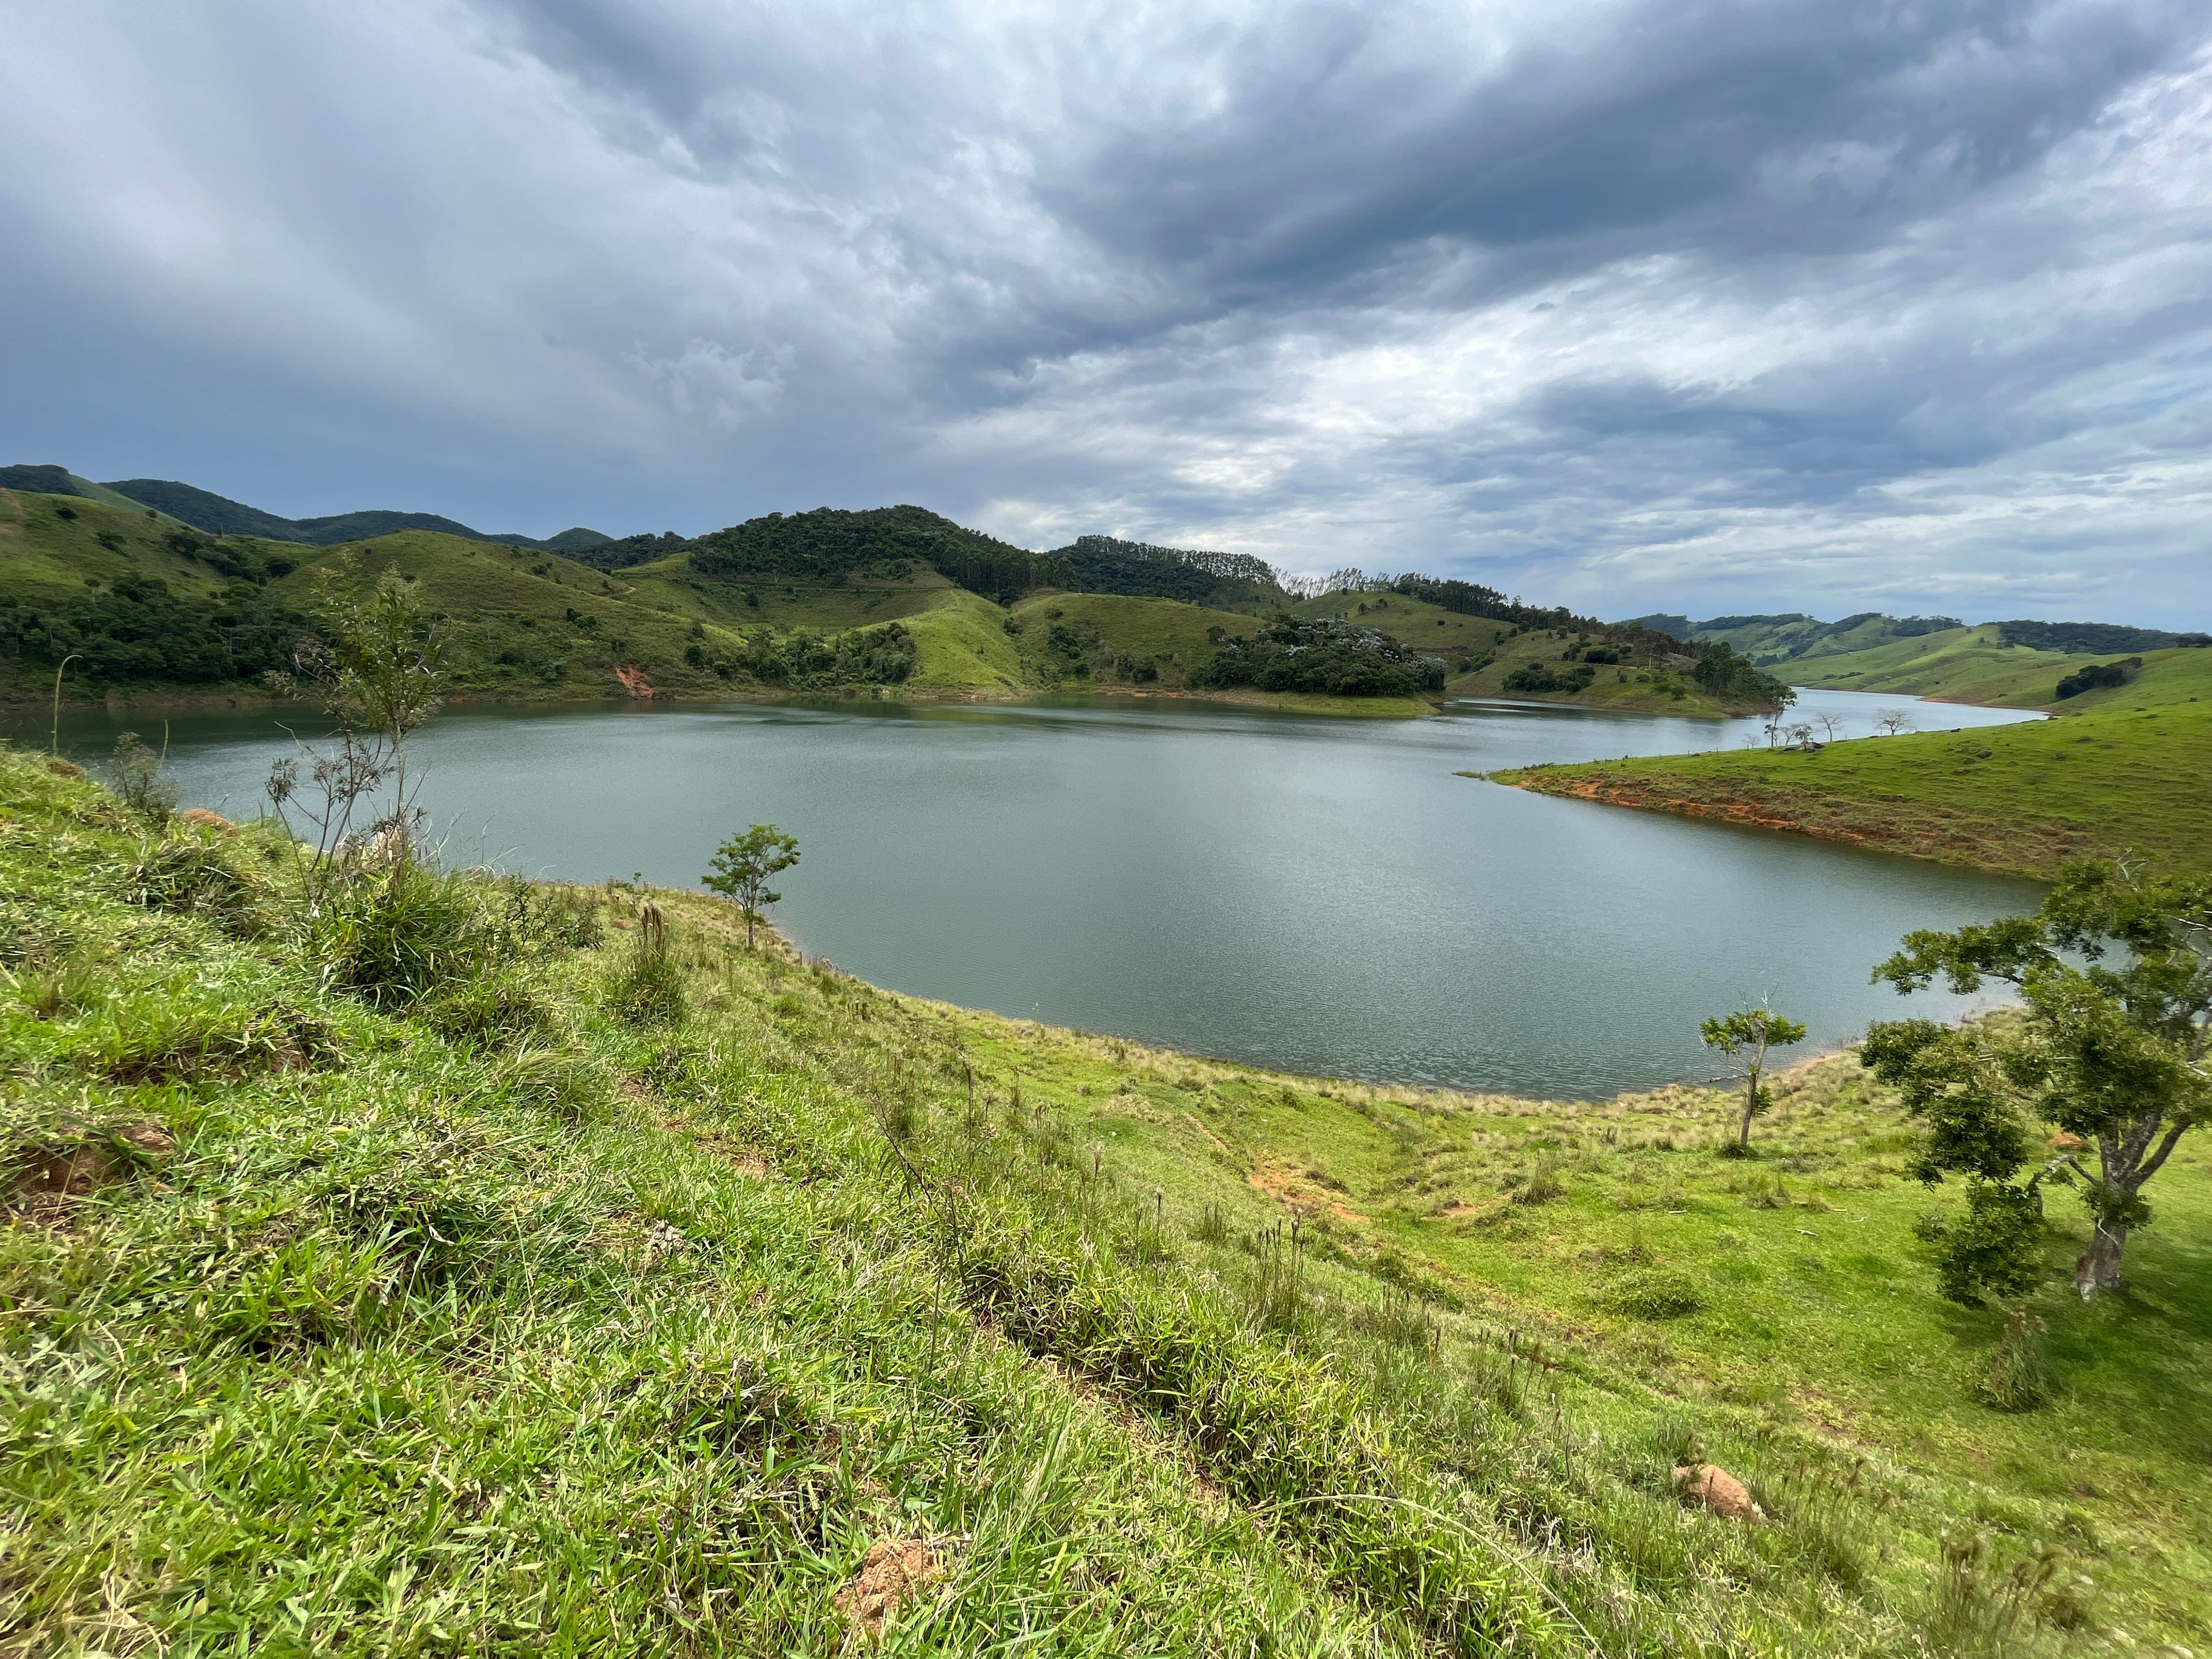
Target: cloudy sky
1708 305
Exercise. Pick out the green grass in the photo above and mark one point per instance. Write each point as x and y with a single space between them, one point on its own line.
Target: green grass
2123 772
1961 664
497 1321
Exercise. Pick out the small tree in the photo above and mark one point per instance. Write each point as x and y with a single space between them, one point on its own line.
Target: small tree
2111 1051
743 864
1890 722
377 670
1745 1037
1832 726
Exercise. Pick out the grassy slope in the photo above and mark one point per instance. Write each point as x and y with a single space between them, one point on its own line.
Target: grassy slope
1963 665
42 553
499 600
475 1330
2122 771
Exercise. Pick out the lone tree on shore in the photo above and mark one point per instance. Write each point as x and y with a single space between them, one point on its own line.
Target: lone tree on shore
1745 1037
742 865
2111 1051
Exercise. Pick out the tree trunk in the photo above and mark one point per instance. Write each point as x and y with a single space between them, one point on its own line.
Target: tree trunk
2098 1269
1750 1109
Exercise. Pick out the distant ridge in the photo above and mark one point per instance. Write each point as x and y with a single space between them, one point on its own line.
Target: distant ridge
1791 636
218 515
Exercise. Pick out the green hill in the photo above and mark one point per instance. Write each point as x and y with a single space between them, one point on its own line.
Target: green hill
2007 664
808 602
460 1275
2122 773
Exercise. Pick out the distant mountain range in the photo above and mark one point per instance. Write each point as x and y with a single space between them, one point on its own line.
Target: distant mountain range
218 515
1790 636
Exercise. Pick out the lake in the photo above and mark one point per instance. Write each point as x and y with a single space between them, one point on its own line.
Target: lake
1322 895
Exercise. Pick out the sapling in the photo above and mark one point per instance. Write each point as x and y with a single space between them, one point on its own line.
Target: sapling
742 865
1745 1037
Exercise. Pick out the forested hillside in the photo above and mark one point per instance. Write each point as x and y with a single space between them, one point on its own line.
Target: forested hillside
186 591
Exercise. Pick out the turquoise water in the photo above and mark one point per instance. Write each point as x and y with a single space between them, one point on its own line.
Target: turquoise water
1319 895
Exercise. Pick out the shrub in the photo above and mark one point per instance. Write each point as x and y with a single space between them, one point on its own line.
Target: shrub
1540 677
139 783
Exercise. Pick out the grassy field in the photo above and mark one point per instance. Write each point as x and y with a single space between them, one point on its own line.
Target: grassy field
2122 772
467 1277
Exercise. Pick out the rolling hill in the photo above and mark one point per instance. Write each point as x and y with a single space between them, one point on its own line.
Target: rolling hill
2017 664
888 601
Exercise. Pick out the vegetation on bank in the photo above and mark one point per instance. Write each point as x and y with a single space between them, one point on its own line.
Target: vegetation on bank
2121 775
1294 654
405 1280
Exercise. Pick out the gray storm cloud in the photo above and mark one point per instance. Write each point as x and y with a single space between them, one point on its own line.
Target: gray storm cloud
1632 305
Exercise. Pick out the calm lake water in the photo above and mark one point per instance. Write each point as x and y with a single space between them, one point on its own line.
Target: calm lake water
1319 895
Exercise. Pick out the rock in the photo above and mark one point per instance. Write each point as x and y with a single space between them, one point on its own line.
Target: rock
893 1571
1718 1491
200 818
62 769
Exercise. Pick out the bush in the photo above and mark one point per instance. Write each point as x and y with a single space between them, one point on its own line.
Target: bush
139 783
1540 677
1290 654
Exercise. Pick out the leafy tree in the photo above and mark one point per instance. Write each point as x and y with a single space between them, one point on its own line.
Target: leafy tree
1745 1037
2115 970
742 865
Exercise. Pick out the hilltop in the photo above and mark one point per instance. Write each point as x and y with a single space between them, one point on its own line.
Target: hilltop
2120 772
470 1274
